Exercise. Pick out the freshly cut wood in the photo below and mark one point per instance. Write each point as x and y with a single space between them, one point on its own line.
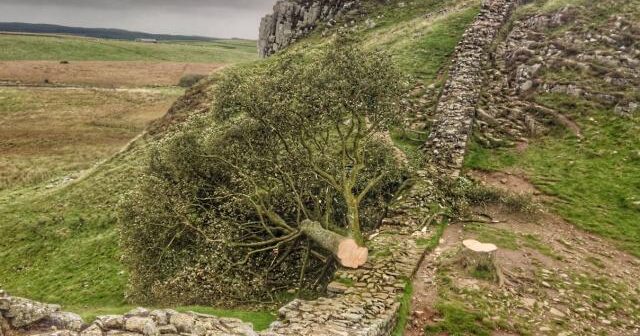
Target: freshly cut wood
479 247
346 249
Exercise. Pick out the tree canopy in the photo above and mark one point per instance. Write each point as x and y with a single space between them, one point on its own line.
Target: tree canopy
240 203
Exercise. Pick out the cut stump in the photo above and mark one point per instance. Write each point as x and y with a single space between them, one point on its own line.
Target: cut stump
479 257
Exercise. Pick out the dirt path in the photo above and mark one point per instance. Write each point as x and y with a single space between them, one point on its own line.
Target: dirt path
558 280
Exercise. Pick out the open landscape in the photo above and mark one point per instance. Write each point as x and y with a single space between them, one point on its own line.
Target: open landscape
433 167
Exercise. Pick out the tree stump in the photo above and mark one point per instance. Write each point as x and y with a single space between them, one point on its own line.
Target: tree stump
479 259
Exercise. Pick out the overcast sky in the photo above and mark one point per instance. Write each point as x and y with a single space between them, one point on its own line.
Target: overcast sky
215 18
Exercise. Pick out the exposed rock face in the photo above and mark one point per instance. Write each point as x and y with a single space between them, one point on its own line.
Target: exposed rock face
292 19
19 313
606 56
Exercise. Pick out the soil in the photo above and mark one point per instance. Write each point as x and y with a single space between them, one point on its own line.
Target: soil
571 282
101 73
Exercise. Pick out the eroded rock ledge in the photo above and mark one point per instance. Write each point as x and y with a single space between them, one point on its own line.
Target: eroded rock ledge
292 19
447 143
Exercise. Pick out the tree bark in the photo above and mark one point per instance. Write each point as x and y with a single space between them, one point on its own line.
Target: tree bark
347 250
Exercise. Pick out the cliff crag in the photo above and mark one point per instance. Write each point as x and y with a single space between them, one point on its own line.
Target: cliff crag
293 19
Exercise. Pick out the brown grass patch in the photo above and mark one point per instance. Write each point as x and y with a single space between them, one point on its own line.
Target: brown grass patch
47 133
101 73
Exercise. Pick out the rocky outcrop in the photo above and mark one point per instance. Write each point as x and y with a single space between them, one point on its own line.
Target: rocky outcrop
529 63
18 313
292 19
447 142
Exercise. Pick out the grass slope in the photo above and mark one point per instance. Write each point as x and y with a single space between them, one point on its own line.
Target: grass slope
61 243
56 48
595 181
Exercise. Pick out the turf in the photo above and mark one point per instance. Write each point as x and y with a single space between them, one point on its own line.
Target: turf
458 321
61 244
69 48
595 180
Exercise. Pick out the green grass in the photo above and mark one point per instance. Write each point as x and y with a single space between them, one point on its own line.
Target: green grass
457 321
56 48
61 245
423 47
595 180
405 310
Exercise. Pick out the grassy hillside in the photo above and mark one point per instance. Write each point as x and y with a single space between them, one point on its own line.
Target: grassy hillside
594 180
56 48
63 241
118 34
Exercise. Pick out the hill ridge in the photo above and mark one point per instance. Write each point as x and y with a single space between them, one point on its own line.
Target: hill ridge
105 33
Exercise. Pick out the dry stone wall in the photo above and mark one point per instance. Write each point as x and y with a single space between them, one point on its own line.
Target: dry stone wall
293 19
447 143
22 316
365 302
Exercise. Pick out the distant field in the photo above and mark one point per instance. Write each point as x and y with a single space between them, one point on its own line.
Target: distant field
15 47
49 133
102 73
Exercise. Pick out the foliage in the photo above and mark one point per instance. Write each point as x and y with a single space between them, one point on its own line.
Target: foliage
217 215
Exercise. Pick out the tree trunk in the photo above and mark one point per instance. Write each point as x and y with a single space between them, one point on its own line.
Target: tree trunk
353 218
347 250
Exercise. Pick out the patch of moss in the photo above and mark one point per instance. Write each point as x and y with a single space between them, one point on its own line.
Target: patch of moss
405 309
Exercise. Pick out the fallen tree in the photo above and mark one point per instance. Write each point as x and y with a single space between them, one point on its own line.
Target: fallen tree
282 174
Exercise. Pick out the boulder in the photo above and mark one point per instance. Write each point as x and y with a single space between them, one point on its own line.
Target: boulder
183 322
169 329
92 330
110 322
66 320
138 312
141 325
22 312
161 317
